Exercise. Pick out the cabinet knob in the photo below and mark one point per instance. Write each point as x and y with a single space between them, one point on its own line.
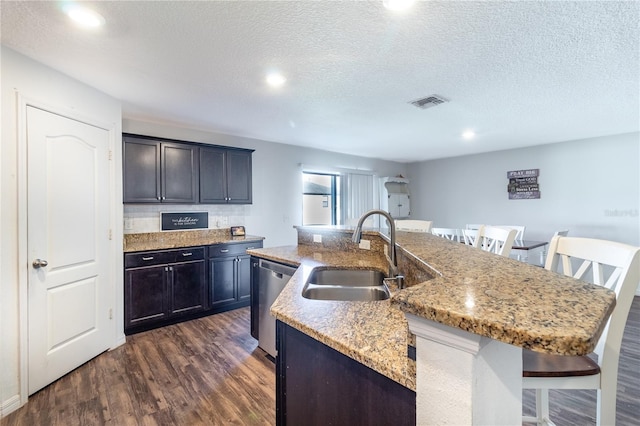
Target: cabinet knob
148 258
187 254
224 251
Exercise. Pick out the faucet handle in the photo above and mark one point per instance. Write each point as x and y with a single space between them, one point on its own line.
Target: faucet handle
397 281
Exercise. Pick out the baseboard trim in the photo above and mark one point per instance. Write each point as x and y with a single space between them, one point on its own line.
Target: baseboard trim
10 405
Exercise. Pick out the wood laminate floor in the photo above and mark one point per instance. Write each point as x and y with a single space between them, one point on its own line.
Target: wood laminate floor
207 371
210 371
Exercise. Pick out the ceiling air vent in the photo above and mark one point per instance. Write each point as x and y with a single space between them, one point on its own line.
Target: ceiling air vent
429 101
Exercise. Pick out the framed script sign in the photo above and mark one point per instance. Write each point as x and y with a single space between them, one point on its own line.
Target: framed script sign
190 220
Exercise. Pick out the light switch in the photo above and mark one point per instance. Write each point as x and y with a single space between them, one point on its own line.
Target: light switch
317 238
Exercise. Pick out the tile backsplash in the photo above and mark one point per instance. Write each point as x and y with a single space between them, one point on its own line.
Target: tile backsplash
140 218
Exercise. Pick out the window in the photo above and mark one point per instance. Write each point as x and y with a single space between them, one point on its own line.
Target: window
320 199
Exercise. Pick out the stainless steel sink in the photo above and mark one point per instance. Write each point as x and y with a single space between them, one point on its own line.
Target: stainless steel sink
346 284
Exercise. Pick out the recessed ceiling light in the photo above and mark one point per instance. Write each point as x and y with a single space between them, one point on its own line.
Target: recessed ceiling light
398 5
468 134
84 17
275 79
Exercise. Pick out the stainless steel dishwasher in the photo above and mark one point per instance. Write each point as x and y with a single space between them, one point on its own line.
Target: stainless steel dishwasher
272 277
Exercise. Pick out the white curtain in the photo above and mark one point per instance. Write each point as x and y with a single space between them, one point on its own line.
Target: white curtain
360 194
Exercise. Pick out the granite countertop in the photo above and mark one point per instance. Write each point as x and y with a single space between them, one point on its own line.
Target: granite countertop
178 239
476 291
373 333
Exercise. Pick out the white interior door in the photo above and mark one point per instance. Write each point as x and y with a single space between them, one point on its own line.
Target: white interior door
68 244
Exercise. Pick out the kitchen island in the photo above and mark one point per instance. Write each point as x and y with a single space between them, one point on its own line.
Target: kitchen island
448 283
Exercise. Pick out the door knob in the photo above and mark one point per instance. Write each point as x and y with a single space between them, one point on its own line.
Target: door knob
39 263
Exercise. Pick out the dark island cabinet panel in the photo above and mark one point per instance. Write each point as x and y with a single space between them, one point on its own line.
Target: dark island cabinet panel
317 385
158 170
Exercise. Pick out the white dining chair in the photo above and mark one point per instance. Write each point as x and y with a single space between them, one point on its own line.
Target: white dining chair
448 233
543 371
495 239
516 254
473 226
469 236
520 230
413 225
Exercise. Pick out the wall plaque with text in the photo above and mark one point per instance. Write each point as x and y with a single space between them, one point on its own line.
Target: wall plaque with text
523 184
191 220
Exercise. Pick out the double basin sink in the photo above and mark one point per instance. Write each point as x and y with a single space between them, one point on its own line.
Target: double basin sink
346 284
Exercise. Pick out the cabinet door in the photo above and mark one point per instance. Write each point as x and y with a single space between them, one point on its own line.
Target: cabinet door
145 295
141 171
188 287
243 278
222 276
179 173
239 177
213 176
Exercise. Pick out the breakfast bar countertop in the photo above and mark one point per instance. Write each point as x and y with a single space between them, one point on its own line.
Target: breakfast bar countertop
476 291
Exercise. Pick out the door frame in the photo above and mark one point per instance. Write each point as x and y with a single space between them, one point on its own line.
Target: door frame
114 258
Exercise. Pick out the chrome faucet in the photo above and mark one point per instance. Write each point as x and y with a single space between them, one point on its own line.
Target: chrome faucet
392 257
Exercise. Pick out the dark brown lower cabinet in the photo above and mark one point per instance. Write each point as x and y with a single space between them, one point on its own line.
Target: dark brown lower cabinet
168 286
230 275
145 292
163 287
317 385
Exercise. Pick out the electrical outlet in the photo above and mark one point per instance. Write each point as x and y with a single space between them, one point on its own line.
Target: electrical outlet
128 223
317 238
386 250
365 244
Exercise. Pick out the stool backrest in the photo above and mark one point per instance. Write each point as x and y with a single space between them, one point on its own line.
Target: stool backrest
613 265
413 225
448 233
495 239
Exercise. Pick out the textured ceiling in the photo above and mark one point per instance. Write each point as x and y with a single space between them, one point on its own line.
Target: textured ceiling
518 73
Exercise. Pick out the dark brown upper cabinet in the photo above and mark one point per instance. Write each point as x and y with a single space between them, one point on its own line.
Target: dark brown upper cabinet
225 176
158 170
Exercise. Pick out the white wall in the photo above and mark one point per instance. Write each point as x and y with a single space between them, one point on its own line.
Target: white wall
44 85
590 186
277 179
